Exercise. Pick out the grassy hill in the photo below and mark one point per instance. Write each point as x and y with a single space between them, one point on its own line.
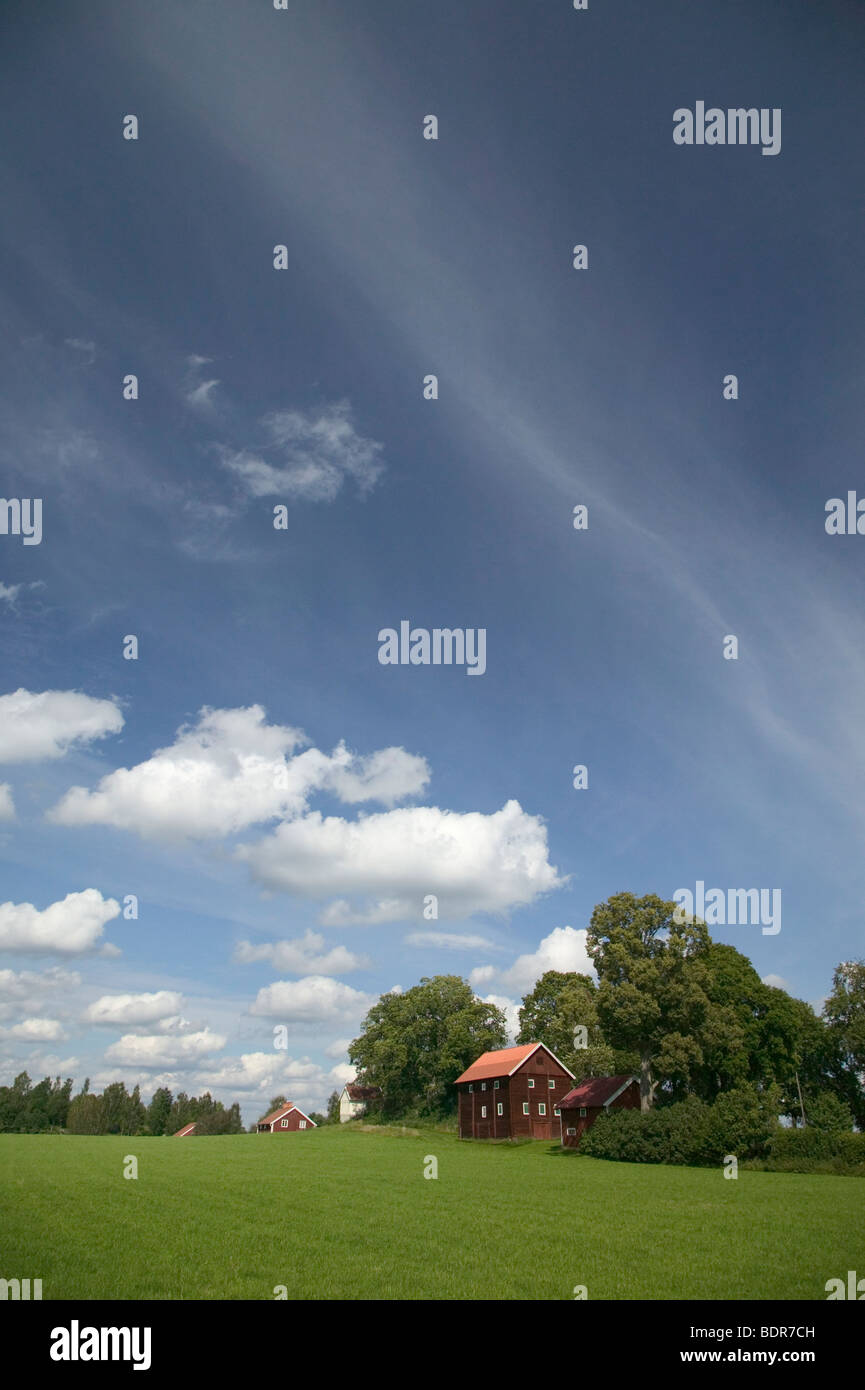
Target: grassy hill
345 1213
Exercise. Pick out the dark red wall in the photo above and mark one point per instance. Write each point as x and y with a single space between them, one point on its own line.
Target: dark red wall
293 1126
512 1093
572 1119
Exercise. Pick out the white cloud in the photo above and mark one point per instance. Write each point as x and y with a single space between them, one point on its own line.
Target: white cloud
37 1030
29 984
511 1010
200 395
338 1048
306 955
450 941
316 451
43 1064
342 1073
71 927
37 726
30 993
386 776
472 862
564 949
776 981
7 805
128 1010
9 593
197 392
314 999
83 346
263 1072
158 1050
483 974
229 771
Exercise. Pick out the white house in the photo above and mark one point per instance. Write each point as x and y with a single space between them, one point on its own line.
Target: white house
354 1099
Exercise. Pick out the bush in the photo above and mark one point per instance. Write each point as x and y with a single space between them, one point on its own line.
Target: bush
740 1122
817 1144
827 1111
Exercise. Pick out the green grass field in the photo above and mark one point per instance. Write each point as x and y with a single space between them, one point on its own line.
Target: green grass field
343 1213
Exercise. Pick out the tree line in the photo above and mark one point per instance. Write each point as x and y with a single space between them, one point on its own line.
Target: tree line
50 1106
689 1016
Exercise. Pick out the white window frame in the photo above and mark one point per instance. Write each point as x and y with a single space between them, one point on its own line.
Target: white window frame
483 1112
583 1111
557 1111
471 1087
571 1131
542 1109
531 1083
500 1109
496 1085
552 1084
284 1123
483 1085
525 1107
301 1124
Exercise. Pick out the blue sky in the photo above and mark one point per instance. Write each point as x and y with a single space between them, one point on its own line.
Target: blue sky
282 881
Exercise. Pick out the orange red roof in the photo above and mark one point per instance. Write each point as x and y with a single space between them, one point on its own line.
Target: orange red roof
501 1062
278 1114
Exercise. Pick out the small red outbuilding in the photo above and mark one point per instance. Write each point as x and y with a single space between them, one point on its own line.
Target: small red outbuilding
288 1119
582 1106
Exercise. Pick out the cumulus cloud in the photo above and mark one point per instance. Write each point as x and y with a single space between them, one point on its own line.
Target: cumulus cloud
315 452
776 982
483 974
159 1050
306 955
7 805
314 999
471 861
231 770
46 725
37 1030
29 984
261 1072
338 1048
564 949
130 1010
71 927
511 1010
33 992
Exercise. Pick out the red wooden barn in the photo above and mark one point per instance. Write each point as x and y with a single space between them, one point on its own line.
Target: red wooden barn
288 1119
582 1106
512 1093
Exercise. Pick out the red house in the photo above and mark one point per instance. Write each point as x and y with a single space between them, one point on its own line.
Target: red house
582 1106
182 1133
512 1093
288 1119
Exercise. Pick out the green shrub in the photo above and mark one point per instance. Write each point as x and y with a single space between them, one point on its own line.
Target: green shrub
740 1122
827 1111
819 1144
